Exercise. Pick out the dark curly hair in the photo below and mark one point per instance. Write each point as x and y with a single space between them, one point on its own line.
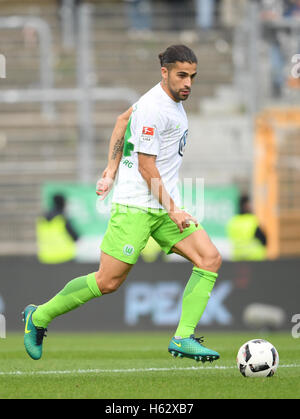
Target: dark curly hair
175 53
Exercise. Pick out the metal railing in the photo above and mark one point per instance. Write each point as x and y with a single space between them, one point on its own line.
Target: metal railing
45 53
85 94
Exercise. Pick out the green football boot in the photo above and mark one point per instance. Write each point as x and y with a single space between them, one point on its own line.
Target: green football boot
33 337
192 348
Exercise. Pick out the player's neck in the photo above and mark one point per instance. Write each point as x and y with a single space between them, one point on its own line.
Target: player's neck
165 88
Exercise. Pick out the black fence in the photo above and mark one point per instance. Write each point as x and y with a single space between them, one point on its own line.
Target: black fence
150 299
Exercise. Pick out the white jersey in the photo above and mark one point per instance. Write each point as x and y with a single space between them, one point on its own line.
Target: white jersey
158 126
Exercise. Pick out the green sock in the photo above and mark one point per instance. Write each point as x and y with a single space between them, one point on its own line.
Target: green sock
194 301
75 293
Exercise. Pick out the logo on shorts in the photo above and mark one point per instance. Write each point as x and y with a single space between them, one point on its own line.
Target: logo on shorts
128 250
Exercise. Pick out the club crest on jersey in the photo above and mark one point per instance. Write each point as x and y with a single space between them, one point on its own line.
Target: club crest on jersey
182 143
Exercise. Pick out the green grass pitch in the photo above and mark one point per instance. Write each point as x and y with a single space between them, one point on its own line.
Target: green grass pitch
138 366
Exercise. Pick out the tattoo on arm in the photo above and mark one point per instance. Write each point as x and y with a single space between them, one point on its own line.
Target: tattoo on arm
118 148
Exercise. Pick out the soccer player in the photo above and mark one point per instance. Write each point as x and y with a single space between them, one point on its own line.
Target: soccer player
146 203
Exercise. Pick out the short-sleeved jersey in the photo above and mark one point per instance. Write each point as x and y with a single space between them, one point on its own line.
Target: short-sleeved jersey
158 126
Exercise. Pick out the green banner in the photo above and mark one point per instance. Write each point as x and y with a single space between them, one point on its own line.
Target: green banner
213 206
90 216
221 204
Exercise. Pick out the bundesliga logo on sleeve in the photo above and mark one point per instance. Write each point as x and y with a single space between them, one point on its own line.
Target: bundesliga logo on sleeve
147 134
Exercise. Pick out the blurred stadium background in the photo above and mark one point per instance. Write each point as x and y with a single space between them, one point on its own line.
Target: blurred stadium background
71 67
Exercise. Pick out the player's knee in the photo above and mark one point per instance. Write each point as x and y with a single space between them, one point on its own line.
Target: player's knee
218 262
212 261
108 285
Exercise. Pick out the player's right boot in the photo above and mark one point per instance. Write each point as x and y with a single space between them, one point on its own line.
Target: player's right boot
33 337
192 348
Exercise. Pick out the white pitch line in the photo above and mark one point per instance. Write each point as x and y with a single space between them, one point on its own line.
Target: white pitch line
131 370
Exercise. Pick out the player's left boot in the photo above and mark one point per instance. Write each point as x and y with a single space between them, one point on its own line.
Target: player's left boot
192 348
33 337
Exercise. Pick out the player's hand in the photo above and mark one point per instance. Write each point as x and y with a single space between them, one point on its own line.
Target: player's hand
182 219
105 183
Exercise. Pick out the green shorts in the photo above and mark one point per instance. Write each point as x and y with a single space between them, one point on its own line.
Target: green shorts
130 228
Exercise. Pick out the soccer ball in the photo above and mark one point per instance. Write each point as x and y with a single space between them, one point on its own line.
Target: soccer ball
257 358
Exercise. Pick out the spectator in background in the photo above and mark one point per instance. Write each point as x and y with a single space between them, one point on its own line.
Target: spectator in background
180 14
293 11
247 238
55 235
205 13
139 14
292 8
273 10
232 12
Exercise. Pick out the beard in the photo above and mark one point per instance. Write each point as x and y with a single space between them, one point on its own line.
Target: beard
178 95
